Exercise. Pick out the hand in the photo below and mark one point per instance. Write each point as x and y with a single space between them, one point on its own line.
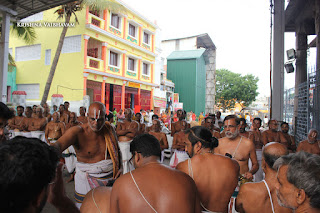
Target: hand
56 188
248 175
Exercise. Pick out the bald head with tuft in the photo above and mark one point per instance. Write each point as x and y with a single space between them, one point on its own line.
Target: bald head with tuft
272 151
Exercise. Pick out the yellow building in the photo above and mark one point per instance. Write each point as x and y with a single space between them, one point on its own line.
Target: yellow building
108 56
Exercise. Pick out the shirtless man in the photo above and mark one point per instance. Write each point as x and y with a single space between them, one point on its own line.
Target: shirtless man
255 136
38 123
16 122
255 197
82 118
64 117
126 131
312 144
153 187
28 119
178 144
54 129
72 120
272 134
97 151
209 123
216 176
240 148
286 139
180 124
34 114
5 115
46 112
66 108
142 126
155 130
242 128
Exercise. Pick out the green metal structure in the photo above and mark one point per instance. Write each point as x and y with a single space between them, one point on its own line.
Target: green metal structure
187 70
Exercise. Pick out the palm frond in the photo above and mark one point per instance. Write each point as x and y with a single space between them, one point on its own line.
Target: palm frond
105 4
11 60
28 34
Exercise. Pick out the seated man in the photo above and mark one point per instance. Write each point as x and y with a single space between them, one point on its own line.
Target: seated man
298 182
312 144
162 137
38 123
16 122
216 176
136 191
262 196
272 134
28 168
286 139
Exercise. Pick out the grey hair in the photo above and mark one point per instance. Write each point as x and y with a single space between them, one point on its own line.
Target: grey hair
312 130
304 173
40 107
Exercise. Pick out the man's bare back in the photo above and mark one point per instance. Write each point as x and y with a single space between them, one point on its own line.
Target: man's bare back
216 178
174 191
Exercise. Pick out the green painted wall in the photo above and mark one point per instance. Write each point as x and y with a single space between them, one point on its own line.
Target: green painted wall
11 78
189 76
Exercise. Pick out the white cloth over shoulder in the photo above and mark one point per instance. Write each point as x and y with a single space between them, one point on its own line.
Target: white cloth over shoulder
125 156
177 157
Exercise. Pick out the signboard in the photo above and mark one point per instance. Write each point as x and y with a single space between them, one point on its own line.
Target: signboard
176 98
177 106
159 102
132 84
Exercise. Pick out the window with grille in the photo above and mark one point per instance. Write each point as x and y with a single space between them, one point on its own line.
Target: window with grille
71 44
48 57
115 20
28 53
146 37
132 30
113 59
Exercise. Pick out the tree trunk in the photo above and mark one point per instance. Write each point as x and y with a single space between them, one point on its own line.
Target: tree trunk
55 61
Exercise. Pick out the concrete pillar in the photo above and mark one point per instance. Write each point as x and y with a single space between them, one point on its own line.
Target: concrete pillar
151 98
124 27
124 62
301 67
105 18
103 90
138 106
316 122
276 110
210 54
86 39
104 55
4 54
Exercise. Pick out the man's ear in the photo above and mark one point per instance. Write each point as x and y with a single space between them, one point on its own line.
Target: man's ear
137 157
301 196
197 147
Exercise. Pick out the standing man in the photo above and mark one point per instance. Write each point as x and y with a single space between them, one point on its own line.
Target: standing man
16 122
218 118
66 107
38 123
34 107
5 115
97 151
242 128
298 182
255 136
181 124
209 123
28 119
312 144
137 192
72 121
126 131
240 148
82 118
46 112
64 117
221 173
54 129
272 134
262 196
286 139
162 137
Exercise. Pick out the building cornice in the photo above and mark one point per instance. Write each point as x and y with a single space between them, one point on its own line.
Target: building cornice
106 33
104 74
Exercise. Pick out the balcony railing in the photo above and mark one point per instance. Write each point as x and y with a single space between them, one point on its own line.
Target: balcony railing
95 63
95 20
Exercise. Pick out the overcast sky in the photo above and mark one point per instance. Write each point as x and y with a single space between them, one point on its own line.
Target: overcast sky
239 29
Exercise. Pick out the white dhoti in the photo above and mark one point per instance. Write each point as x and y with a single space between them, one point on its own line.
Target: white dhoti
177 157
89 176
70 158
38 134
26 134
259 175
126 156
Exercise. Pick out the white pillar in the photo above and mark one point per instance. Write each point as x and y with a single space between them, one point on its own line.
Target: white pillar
278 61
4 51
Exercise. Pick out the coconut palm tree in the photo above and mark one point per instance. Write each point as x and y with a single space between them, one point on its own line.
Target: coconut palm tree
66 11
27 34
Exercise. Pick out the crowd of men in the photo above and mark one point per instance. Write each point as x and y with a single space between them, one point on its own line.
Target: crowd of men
213 168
